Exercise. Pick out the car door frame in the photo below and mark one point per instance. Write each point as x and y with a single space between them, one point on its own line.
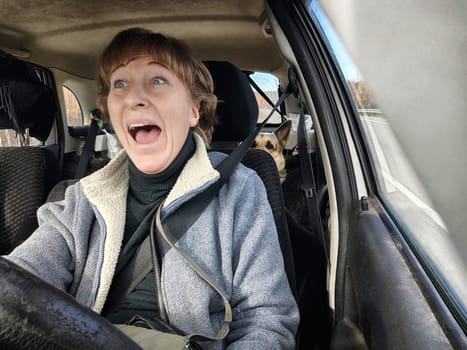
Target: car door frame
383 298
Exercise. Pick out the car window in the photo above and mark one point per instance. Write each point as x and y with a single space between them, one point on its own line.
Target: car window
269 84
74 113
397 184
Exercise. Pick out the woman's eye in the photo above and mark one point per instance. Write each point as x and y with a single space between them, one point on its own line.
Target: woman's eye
158 81
118 84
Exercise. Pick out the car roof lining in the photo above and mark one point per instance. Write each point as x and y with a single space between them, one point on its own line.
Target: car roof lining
70 34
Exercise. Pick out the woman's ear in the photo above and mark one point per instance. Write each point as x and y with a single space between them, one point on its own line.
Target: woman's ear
194 115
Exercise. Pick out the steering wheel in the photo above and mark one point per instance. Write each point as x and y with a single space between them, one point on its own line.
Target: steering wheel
36 315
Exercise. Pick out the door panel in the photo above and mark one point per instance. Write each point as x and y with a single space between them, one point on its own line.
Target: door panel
381 297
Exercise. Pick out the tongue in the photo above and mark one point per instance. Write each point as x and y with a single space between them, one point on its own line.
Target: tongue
147 135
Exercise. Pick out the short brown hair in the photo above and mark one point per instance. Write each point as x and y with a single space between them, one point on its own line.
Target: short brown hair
171 53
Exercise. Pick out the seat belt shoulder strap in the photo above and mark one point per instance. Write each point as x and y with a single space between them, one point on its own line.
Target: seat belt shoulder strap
308 182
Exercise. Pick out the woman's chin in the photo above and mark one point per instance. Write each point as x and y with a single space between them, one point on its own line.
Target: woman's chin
149 166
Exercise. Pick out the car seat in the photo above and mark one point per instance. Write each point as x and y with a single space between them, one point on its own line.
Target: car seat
29 107
304 258
26 176
237 113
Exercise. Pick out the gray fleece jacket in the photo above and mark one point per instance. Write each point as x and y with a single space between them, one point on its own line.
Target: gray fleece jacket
234 241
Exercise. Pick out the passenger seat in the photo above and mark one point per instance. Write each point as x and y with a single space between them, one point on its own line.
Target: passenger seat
26 176
29 107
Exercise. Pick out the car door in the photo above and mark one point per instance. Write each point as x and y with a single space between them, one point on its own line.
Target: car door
396 275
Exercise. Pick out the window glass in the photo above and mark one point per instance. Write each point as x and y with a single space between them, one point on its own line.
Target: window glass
269 84
74 113
398 186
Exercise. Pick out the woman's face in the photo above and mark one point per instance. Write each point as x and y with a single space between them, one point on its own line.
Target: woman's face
151 112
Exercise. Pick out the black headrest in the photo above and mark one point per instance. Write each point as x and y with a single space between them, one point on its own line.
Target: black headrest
237 109
25 102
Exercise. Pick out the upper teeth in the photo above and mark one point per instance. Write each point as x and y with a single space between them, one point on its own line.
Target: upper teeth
136 125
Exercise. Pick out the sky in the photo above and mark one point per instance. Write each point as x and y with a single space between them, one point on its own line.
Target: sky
345 61
267 82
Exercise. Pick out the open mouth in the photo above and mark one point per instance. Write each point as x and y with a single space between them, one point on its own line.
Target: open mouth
144 133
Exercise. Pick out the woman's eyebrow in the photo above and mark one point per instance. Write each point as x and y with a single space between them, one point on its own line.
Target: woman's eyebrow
159 64
117 67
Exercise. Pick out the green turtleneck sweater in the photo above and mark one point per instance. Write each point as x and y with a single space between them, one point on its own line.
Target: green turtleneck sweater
146 192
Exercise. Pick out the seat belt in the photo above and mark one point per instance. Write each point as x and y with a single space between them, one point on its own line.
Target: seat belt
187 213
88 149
266 97
308 182
176 224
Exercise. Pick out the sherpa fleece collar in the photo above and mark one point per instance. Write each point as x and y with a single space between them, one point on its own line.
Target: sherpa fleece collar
107 189
113 179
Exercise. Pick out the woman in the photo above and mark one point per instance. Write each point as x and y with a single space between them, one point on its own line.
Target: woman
160 101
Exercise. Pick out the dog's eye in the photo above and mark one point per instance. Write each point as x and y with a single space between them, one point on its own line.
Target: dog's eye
253 145
269 146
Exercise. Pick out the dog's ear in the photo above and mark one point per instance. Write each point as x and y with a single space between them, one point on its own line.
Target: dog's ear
282 133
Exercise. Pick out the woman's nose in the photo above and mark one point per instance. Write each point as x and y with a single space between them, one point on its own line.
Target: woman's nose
137 97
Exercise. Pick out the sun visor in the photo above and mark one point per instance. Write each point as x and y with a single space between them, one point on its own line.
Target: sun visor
25 102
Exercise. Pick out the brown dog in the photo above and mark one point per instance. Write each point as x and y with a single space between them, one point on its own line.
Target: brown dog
274 143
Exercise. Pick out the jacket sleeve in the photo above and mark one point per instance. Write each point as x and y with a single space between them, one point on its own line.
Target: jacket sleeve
51 251
265 314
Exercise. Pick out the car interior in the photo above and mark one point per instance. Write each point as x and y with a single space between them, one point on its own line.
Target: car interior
239 43
36 171
49 126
